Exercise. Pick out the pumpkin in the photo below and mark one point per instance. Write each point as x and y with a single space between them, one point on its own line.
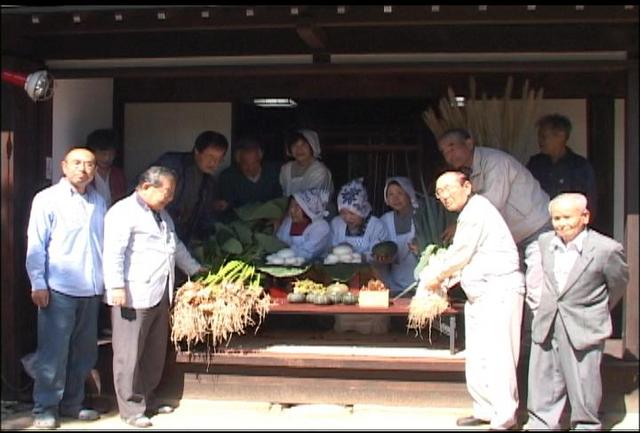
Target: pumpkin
296 298
335 297
337 288
349 298
322 299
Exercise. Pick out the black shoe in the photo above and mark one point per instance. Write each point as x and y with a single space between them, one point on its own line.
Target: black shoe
139 421
470 421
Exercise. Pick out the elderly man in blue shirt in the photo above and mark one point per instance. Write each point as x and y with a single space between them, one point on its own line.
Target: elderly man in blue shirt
64 264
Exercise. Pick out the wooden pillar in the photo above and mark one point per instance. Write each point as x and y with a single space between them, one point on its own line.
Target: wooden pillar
600 151
631 157
23 174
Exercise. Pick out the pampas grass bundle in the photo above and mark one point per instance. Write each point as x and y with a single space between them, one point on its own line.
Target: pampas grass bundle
507 123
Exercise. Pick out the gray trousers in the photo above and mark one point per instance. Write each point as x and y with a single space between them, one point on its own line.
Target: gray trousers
558 371
139 343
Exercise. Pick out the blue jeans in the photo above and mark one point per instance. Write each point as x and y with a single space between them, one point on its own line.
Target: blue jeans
67 351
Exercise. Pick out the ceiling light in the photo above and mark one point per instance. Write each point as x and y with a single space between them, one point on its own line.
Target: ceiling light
275 102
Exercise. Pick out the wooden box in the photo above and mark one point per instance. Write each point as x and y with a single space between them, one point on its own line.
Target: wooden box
373 298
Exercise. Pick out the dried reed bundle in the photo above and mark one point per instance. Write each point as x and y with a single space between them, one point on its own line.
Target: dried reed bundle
212 309
425 308
507 123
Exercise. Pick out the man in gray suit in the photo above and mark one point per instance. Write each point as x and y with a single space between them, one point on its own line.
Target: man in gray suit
585 275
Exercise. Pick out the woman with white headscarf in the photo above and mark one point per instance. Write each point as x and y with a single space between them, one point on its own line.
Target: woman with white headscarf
400 196
304 229
306 170
356 226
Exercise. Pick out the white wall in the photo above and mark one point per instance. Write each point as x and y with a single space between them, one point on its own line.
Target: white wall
79 107
150 129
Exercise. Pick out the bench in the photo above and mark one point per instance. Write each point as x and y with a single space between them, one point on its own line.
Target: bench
399 307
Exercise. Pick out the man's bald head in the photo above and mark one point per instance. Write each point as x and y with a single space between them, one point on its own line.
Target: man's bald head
569 215
579 201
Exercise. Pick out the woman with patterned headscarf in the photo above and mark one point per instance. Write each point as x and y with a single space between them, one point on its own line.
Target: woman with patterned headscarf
304 229
356 226
400 196
306 170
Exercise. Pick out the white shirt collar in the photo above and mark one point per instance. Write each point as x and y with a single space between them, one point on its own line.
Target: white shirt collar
576 243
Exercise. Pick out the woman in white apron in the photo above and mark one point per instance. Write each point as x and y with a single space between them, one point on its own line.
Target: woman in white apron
356 226
306 170
400 196
304 229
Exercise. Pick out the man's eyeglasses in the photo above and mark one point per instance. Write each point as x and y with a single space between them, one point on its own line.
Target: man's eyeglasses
446 190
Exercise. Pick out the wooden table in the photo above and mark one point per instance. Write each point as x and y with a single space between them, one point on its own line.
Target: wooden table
399 307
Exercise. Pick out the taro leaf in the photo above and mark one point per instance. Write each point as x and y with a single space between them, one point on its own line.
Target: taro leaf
283 271
223 233
269 243
232 246
271 210
243 232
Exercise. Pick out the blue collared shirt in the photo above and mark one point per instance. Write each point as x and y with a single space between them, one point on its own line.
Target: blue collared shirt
64 240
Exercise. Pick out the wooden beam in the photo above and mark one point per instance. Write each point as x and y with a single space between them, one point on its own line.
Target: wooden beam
468 38
238 84
268 17
313 36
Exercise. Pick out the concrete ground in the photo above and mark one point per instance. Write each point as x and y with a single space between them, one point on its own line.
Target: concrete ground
192 414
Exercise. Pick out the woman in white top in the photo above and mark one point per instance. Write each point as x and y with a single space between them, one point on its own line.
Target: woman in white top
400 196
305 171
304 229
357 227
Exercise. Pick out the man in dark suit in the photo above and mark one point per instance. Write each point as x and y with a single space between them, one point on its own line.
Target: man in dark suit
193 206
585 275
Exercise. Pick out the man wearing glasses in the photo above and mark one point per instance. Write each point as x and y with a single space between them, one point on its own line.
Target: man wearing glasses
485 256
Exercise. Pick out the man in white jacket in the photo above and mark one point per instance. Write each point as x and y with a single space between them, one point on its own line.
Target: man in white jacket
485 256
140 252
